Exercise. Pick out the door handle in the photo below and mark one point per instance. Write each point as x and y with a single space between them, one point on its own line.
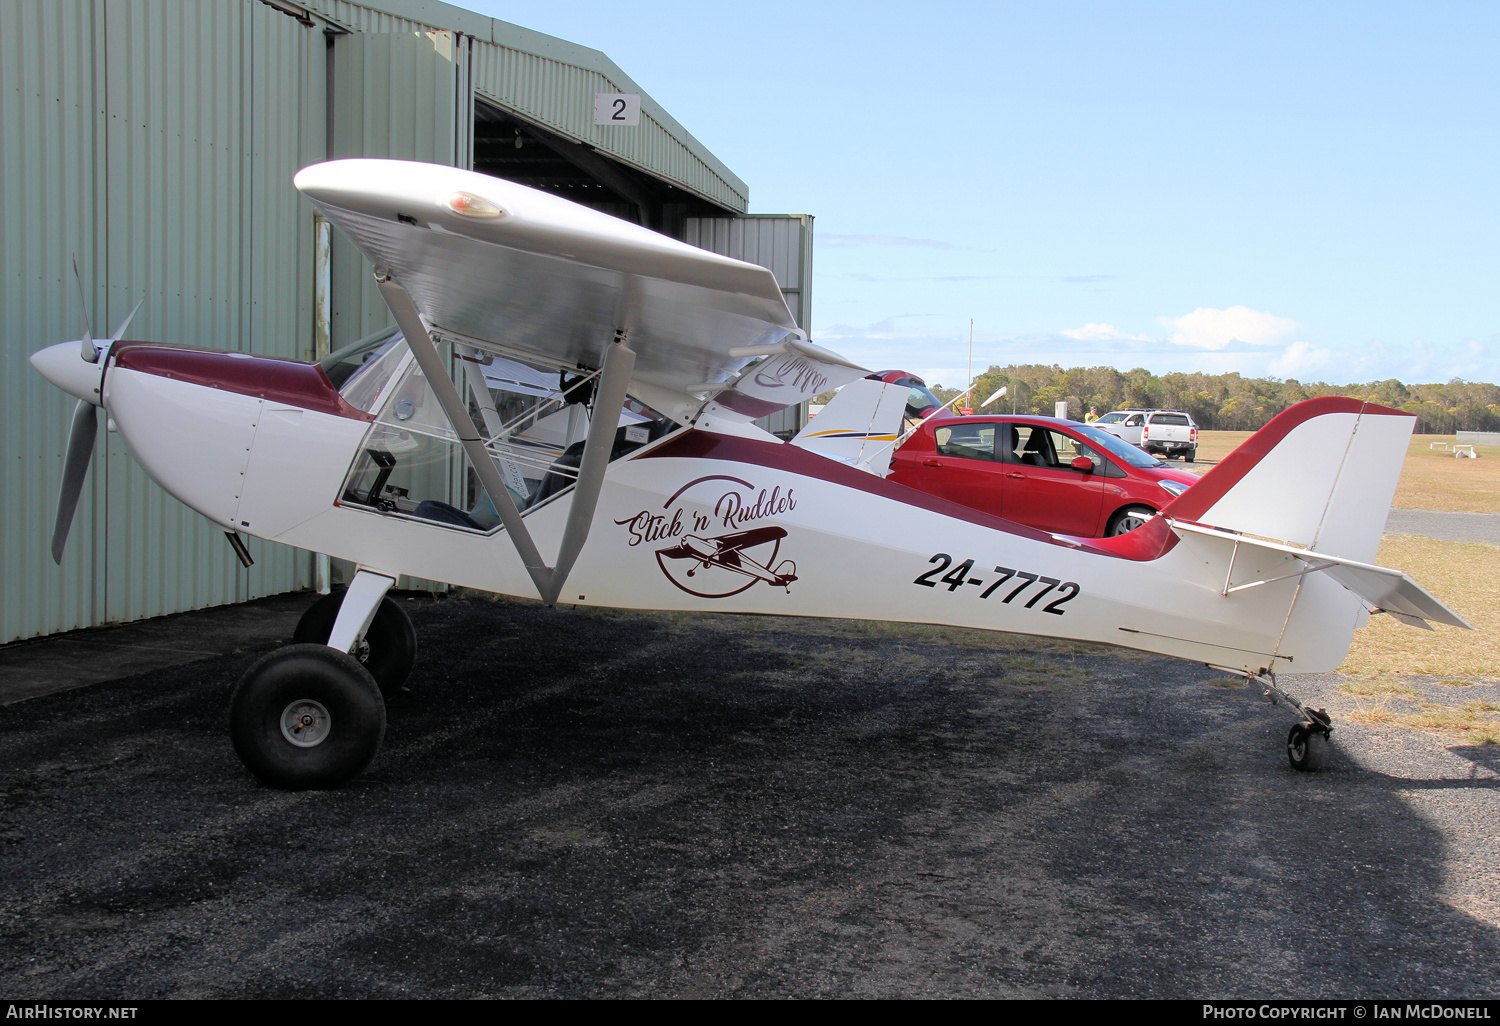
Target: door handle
932 463
1016 475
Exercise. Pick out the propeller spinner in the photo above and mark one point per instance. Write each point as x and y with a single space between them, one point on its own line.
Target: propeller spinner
60 364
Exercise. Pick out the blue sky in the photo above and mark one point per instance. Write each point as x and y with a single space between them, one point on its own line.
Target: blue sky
1305 189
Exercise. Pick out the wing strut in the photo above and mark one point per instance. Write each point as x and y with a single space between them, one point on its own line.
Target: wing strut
609 399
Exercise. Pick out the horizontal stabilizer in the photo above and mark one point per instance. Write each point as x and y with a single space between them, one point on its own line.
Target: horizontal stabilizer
1383 589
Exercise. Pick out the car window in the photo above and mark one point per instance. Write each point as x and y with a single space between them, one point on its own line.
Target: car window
1110 418
919 400
967 441
1169 418
1033 445
1066 449
1134 421
1124 450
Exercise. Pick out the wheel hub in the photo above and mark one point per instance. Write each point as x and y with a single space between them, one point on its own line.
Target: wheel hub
305 723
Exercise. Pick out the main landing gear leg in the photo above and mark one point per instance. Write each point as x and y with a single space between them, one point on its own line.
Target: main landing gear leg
1307 742
387 643
311 715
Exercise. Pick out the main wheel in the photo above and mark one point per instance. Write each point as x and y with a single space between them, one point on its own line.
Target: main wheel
1190 456
306 716
1128 519
389 648
1306 748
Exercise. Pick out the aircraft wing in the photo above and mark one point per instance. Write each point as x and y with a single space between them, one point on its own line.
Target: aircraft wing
733 543
1386 590
488 261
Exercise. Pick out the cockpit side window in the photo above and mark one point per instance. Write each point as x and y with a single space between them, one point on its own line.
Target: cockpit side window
412 464
361 370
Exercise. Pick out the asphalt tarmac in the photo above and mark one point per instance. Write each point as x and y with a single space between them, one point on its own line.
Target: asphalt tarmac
1460 527
593 804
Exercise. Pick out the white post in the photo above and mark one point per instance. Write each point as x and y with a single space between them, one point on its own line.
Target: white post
322 344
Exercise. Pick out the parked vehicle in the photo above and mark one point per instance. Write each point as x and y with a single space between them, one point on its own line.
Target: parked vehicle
1055 475
920 402
1162 432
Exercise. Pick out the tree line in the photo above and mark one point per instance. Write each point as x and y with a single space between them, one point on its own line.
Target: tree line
1225 402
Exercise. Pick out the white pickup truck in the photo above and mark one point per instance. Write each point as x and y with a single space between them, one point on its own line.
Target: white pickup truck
1164 433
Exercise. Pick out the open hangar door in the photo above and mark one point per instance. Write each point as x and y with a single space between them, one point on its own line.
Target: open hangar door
509 146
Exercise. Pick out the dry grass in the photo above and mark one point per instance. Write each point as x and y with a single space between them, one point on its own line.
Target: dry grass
1474 721
1430 478
1213 446
1464 576
1433 479
1376 686
1030 672
1375 714
1228 683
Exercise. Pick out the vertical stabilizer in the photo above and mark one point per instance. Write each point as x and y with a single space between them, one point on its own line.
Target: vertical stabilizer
859 426
1320 475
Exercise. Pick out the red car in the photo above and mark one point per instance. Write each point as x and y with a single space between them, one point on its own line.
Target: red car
1054 475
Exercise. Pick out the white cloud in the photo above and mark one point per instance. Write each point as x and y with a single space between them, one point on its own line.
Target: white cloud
1207 328
1101 333
888 329
1300 359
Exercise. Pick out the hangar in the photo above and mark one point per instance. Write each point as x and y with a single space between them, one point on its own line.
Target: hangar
157 141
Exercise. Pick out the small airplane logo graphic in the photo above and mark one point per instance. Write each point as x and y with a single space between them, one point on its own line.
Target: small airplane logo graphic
728 552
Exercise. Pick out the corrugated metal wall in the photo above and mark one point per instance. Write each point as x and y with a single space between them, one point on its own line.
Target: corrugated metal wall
157 141
47 128
784 244
401 95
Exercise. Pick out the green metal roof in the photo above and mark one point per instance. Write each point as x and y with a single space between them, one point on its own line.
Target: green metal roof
552 82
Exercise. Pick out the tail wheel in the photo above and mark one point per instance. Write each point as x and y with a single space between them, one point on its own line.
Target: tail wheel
1307 747
306 716
389 648
1128 519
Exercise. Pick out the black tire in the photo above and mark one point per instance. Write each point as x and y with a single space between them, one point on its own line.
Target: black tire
1306 748
1191 456
1128 519
311 687
389 649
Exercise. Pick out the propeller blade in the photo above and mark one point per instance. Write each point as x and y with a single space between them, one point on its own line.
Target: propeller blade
75 469
120 331
87 349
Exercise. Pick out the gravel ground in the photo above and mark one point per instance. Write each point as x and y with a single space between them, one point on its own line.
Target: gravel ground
591 804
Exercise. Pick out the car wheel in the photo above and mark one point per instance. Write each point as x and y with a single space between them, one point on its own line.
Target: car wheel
1128 519
389 648
306 716
1191 456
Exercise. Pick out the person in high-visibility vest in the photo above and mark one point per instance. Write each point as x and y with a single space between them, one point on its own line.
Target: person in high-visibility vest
1093 415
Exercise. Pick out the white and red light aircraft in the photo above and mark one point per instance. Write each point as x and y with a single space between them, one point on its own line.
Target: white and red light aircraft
665 495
